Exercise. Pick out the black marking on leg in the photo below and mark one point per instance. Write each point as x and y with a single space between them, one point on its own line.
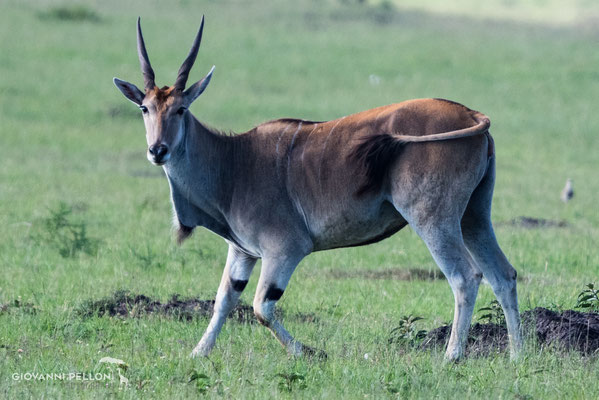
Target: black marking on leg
238 285
261 320
273 293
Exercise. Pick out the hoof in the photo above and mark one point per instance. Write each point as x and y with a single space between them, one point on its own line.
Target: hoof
453 357
199 352
515 356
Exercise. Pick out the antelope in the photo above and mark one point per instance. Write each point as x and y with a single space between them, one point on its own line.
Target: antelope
289 187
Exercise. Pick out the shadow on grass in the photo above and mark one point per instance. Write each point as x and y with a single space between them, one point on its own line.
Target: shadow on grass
399 274
71 13
534 223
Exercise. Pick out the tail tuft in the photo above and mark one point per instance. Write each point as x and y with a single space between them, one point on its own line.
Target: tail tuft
374 154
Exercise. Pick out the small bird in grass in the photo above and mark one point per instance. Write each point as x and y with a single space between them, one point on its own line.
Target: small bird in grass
567 191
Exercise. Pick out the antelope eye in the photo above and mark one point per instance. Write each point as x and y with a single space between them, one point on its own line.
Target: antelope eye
143 109
181 110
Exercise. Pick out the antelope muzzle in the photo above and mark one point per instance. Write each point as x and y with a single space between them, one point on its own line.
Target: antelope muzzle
158 154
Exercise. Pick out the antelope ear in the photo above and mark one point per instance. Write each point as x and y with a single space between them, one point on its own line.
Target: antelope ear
130 91
197 88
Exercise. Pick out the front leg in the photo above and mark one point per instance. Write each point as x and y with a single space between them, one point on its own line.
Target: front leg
274 277
235 277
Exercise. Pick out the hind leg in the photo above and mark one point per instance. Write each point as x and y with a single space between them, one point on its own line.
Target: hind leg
480 240
442 235
434 210
445 244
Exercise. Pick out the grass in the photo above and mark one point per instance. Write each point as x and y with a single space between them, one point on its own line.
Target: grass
69 138
549 12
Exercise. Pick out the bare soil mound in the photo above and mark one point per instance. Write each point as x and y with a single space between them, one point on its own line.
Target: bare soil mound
483 339
125 304
567 330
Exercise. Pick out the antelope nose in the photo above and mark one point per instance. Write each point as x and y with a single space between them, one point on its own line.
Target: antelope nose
158 151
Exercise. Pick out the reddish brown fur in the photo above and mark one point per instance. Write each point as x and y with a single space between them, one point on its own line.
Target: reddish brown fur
376 151
161 96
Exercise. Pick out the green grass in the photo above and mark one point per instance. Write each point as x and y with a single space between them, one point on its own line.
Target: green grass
69 136
547 12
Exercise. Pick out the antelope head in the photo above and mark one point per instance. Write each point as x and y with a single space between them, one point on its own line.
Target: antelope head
164 108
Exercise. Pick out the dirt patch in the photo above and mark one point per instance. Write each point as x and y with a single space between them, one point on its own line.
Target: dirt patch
128 305
18 304
71 13
534 223
399 274
483 339
305 318
568 330
125 304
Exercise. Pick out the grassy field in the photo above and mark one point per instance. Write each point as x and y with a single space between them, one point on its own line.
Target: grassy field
578 13
70 140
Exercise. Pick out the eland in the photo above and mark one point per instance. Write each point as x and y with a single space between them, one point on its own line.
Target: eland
290 187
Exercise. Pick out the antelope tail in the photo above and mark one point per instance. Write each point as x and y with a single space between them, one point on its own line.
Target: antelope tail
376 152
482 126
